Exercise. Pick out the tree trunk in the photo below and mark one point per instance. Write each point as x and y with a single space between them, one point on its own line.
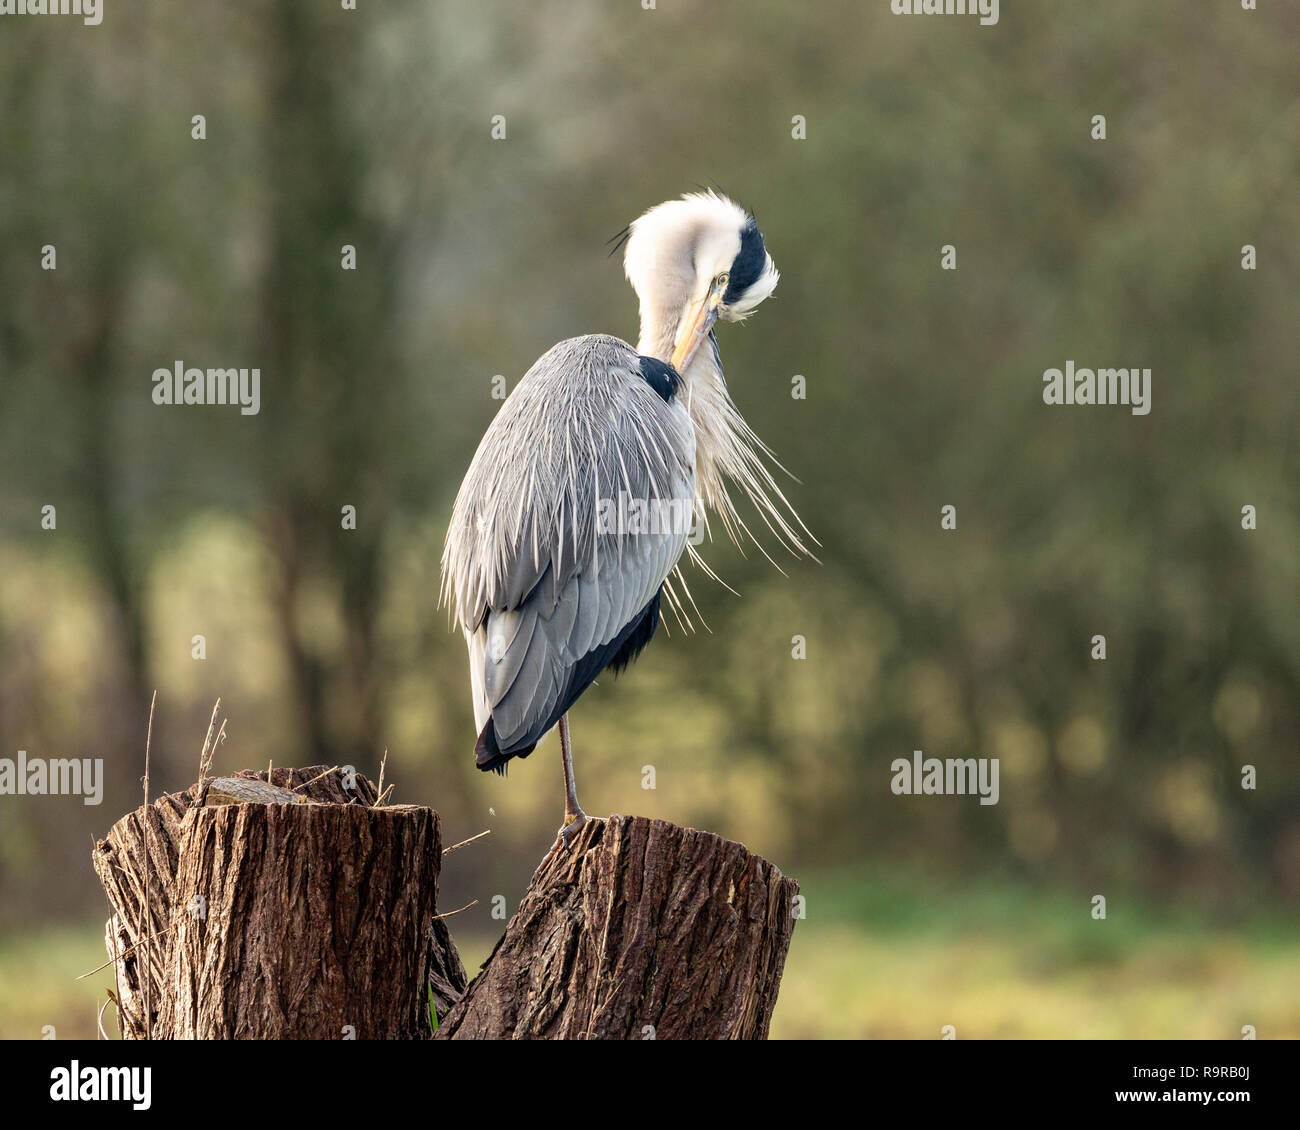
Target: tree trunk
306 914
640 930
311 914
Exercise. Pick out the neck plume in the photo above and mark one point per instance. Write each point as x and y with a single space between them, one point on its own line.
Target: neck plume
727 450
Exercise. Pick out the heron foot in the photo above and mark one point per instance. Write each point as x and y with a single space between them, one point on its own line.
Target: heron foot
563 839
573 822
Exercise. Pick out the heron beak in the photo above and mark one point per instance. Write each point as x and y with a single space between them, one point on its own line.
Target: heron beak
695 327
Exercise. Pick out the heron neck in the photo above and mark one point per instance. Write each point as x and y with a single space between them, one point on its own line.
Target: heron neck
658 331
704 396
657 336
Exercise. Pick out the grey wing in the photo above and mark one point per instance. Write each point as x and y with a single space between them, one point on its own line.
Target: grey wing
574 511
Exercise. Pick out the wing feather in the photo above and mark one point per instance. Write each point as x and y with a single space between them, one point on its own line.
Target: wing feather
540 585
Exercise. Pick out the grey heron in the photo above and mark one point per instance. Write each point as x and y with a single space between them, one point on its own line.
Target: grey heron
547 593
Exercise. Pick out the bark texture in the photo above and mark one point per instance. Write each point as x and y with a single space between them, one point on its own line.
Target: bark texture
293 908
284 909
642 929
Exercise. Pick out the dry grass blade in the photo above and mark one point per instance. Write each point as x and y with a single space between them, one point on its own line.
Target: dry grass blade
148 867
210 742
318 777
221 737
379 791
121 954
449 850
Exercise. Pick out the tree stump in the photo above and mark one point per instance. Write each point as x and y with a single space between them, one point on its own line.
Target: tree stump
293 908
284 909
642 929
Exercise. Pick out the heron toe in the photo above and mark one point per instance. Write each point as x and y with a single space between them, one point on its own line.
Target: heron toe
572 827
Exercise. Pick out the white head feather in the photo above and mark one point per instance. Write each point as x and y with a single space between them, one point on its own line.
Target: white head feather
674 253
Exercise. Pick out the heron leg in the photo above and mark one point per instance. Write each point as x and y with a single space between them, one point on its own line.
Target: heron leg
574 817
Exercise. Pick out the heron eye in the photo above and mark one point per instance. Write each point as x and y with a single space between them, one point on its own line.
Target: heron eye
722 280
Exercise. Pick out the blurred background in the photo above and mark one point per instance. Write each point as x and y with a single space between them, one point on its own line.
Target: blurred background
373 128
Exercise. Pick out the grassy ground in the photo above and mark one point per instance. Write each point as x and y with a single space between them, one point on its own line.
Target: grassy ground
38 986
885 958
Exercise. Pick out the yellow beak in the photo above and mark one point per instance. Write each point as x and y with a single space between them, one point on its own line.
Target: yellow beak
695 327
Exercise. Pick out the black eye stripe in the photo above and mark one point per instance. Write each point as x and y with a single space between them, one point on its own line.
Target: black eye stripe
749 264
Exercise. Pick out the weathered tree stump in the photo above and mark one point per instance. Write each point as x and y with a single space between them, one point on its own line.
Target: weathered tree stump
642 929
285 909
293 908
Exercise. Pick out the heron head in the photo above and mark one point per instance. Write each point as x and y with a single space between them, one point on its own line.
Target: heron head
693 261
